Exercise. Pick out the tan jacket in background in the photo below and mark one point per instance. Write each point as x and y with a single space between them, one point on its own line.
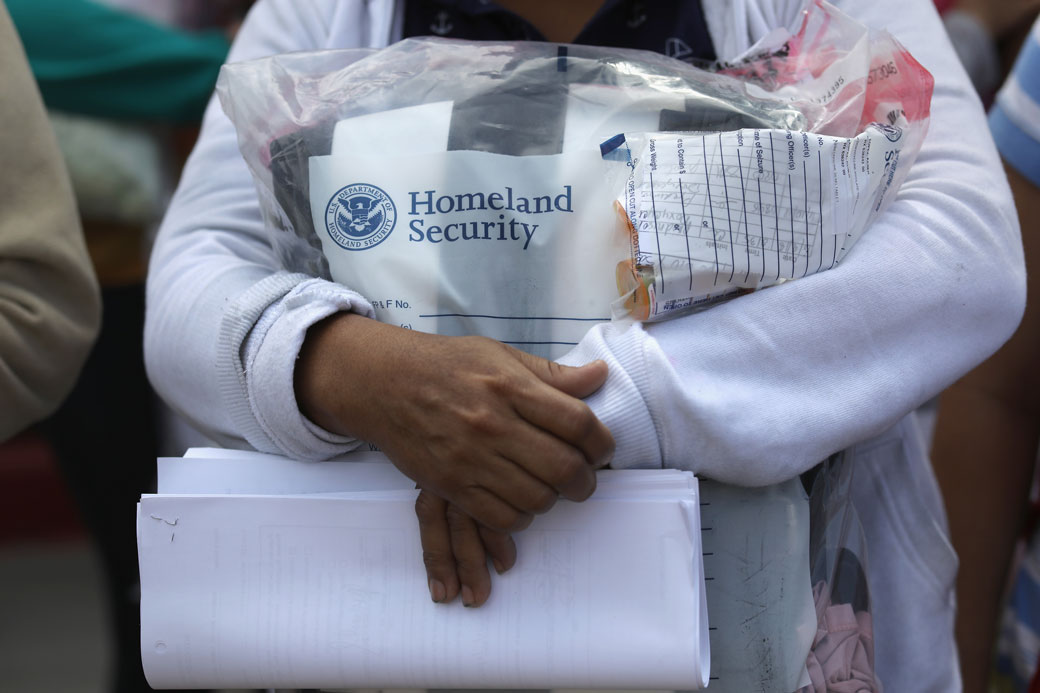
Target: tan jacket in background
50 307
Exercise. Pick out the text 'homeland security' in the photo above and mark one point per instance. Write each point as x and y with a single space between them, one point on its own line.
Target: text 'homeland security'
500 229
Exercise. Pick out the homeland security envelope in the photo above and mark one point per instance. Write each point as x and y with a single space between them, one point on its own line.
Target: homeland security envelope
464 259
478 239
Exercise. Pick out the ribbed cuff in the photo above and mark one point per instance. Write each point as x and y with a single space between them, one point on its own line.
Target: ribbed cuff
260 341
621 404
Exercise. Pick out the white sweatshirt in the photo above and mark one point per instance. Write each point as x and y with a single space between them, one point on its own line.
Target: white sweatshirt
751 392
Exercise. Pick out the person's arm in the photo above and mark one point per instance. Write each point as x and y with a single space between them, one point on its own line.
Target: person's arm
977 28
213 276
761 388
992 416
993 413
49 301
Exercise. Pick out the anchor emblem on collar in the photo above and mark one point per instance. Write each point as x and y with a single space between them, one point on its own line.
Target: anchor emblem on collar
443 24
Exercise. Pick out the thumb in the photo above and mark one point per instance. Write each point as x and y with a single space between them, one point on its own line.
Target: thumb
576 381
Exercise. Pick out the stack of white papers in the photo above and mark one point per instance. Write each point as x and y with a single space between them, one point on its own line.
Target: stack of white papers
262 572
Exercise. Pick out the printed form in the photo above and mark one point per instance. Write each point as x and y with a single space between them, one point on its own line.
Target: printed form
719 212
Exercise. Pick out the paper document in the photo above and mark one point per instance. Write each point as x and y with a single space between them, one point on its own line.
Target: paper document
315 580
215 471
475 243
717 213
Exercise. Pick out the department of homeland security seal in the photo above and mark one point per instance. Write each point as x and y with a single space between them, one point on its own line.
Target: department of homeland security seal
892 132
360 216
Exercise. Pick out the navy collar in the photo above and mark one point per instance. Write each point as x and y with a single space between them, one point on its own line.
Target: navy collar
676 28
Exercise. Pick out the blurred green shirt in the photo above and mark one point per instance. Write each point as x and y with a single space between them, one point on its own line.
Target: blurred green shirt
92 59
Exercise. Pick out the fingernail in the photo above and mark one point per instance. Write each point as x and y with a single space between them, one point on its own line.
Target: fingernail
467 596
437 590
499 568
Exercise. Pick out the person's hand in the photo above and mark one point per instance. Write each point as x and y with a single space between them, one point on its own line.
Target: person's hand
456 550
496 432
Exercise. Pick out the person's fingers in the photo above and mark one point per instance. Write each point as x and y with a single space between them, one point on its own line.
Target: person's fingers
573 423
491 510
435 537
470 557
500 547
509 481
568 418
456 549
538 468
576 381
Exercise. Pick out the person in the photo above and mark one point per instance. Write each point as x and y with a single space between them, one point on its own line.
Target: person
751 392
111 85
992 414
50 308
980 31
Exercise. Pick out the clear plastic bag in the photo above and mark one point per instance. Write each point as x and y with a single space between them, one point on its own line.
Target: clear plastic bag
455 166
438 96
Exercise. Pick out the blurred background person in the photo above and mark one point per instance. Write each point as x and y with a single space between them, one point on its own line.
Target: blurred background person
988 431
986 35
125 86
50 307
49 303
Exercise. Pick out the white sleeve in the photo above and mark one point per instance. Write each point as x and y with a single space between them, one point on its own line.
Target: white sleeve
224 324
759 389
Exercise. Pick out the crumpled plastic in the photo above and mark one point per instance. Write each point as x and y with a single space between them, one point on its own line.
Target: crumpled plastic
794 212
842 656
